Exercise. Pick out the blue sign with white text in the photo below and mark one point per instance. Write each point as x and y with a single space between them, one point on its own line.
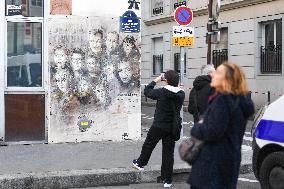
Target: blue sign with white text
129 22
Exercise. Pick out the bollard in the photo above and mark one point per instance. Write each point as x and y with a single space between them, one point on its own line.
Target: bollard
268 97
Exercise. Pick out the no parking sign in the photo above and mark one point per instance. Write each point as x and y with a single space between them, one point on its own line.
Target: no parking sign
183 15
183 35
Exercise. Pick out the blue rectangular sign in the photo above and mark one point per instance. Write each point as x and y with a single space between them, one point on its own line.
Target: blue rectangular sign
129 25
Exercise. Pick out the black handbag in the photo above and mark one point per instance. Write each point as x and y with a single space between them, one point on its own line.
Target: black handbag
189 149
176 126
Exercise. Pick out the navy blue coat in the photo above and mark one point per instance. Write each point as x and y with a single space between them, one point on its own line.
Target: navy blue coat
218 164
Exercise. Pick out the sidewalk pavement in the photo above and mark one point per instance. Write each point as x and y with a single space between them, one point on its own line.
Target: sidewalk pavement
80 165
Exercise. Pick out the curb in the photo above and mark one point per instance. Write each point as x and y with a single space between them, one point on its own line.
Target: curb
93 178
83 178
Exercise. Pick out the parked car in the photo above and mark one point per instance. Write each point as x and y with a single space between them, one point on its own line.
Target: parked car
268 145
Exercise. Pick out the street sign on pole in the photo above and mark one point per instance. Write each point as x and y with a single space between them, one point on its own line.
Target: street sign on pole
129 22
183 15
183 31
183 36
183 41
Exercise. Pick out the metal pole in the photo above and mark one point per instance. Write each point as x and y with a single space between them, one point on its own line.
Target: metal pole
182 61
209 28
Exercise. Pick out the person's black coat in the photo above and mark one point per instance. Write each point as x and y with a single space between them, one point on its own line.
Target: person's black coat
217 166
165 97
198 97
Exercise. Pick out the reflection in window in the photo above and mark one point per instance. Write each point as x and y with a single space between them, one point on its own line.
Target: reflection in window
273 33
37 3
30 8
271 51
24 54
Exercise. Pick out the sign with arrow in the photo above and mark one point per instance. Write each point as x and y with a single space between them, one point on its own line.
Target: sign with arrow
183 36
183 31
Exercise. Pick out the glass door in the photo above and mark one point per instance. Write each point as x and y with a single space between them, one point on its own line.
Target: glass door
24 94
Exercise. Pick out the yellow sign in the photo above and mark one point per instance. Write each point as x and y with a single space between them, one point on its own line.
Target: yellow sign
85 123
183 41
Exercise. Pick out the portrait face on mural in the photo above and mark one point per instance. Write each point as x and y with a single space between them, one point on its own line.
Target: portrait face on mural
60 57
128 44
96 41
93 67
77 60
125 72
109 72
62 81
112 41
101 94
83 86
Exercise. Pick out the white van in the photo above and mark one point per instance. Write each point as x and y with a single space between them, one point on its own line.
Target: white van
268 145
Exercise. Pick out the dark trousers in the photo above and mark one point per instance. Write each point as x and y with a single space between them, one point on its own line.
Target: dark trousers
153 137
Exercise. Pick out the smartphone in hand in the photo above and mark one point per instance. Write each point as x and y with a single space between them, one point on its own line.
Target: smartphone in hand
163 77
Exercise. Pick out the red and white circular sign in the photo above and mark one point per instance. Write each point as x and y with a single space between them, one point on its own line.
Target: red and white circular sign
183 15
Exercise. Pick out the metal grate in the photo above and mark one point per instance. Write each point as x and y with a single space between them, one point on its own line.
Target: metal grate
219 56
158 64
271 59
158 10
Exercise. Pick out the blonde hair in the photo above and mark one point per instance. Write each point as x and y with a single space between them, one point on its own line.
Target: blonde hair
235 82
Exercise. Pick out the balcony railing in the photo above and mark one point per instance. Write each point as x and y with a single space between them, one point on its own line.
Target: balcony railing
158 64
271 59
219 56
158 10
178 4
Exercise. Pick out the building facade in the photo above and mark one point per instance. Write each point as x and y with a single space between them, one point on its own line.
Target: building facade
251 35
67 75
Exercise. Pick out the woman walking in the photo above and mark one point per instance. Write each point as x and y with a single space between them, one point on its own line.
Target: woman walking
222 130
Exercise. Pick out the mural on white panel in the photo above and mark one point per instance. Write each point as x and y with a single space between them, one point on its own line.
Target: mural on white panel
95 80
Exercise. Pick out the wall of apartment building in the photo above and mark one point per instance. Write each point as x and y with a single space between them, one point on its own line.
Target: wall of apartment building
244 41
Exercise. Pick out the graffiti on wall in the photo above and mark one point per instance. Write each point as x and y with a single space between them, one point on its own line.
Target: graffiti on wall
95 74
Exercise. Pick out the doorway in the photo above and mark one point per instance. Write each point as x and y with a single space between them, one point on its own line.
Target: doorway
25 94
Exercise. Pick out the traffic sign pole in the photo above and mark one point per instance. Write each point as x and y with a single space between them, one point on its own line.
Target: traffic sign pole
181 37
182 60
